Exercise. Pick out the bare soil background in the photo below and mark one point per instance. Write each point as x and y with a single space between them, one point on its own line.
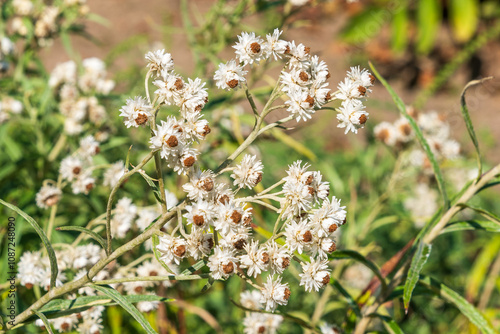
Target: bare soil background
148 18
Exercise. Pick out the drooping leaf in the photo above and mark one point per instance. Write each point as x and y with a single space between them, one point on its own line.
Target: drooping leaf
477 225
389 324
417 263
350 300
90 233
48 246
123 302
44 320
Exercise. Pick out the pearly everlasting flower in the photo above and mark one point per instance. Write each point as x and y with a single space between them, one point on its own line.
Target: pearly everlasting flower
258 323
322 247
90 326
193 98
30 269
71 168
113 174
423 204
251 299
328 217
200 244
170 88
171 199
86 255
147 306
124 214
299 55
349 90
249 48
145 218
159 62
65 324
300 105
230 75
200 185
404 131
274 293
194 127
222 263
315 275
63 73
172 249
230 216
89 146
329 329
361 76
274 46
48 196
200 214
386 133
248 173
167 138
299 236
83 184
256 259
352 115
279 257
136 112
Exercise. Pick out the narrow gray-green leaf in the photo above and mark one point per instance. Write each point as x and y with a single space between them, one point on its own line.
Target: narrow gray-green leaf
468 122
417 263
48 246
466 308
418 133
209 284
347 296
123 302
353 255
198 265
90 233
478 225
486 214
45 321
150 181
389 324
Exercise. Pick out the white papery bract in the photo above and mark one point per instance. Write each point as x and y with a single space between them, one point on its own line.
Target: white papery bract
315 275
274 293
222 263
200 244
113 174
201 185
136 112
122 220
48 196
299 236
200 214
328 217
249 48
159 62
352 115
251 299
248 173
230 75
256 259
258 323
172 249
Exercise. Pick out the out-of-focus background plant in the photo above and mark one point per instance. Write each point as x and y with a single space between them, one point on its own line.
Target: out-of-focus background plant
427 49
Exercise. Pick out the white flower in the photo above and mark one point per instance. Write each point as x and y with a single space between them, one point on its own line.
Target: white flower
170 88
301 104
249 48
404 130
171 199
230 75
124 214
352 115
329 329
274 293
113 174
145 218
22 7
248 173
159 61
222 263
256 259
279 257
30 269
251 299
71 168
86 255
89 146
63 73
146 306
48 196
193 98
258 323
387 133
230 216
195 128
423 204
349 89
90 326
200 214
316 274
200 244
275 47
298 236
299 55
322 247
167 138
172 249
65 324
83 184
361 76
319 70
136 112
200 185
328 217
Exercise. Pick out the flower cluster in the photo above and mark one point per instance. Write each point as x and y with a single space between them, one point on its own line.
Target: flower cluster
76 92
9 107
42 21
257 322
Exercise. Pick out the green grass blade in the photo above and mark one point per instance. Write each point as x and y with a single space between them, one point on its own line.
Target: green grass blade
468 122
417 263
389 324
45 321
478 225
90 233
123 302
425 145
467 309
48 246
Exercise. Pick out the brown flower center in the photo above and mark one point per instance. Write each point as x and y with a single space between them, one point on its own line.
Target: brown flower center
303 76
89 186
326 279
406 129
240 244
307 236
247 221
307 50
362 119
189 161
206 130
210 243
224 199
228 268
77 170
383 135
179 84
259 178
232 83
362 90
180 251
332 248
285 263
287 50
172 141
265 257
332 228
153 273
255 47
138 289
65 326
52 200
207 184
236 217
141 119
261 329
372 79
309 180
287 293
309 100
198 220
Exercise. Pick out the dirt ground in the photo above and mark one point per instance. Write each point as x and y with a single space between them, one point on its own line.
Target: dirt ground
128 18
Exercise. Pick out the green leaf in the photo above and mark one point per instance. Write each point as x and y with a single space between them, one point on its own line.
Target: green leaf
365 25
198 265
467 309
486 214
150 181
464 17
352 303
483 225
353 255
50 251
417 263
428 21
468 122
389 324
123 302
44 320
399 29
425 145
90 233
209 284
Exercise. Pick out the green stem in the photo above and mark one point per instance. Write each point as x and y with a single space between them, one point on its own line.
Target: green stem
153 279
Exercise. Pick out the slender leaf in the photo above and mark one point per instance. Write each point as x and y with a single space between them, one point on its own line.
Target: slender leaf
486 214
399 29
464 17
149 180
389 324
352 303
417 263
467 309
198 265
123 302
478 225
468 122
90 233
353 255
50 251
418 133
44 320
428 20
